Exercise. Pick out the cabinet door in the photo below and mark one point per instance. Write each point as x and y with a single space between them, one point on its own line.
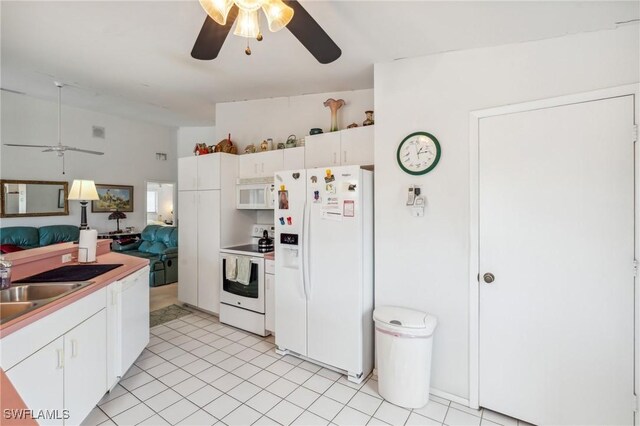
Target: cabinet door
270 303
270 162
248 166
322 150
357 146
209 250
209 171
85 367
114 338
188 258
187 173
293 158
39 379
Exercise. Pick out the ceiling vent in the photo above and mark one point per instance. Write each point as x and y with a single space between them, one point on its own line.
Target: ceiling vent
98 132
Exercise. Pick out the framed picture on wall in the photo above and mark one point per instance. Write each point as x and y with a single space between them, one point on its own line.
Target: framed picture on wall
112 198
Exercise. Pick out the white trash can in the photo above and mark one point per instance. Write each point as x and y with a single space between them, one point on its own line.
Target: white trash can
403 355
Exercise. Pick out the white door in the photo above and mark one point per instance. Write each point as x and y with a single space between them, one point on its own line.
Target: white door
85 367
188 259
556 215
134 300
208 249
291 302
335 249
248 166
39 380
322 150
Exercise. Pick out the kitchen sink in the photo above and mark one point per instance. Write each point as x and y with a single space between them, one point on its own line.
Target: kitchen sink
31 292
20 299
13 309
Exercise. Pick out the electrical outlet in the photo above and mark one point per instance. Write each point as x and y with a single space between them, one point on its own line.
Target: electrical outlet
66 258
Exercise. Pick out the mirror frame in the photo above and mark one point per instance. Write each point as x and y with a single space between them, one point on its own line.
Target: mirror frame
64 184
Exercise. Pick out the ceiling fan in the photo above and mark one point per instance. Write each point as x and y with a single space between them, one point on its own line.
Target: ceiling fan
59 149
221 15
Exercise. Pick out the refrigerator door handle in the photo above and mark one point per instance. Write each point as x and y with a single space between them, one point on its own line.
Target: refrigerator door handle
307 250
301 260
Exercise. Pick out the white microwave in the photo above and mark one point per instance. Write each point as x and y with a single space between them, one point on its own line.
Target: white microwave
255 195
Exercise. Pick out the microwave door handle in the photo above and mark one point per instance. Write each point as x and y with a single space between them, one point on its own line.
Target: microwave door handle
266 196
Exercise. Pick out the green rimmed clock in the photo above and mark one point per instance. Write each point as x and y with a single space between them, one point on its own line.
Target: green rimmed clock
418 153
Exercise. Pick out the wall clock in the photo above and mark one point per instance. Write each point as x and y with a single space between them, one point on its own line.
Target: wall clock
418 153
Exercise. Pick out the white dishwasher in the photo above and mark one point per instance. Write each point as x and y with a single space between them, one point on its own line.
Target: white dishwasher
129 319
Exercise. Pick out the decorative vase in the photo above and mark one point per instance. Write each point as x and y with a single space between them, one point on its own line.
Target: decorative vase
369 119
334 106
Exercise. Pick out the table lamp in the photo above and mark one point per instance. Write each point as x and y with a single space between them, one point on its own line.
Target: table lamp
117 215
83 191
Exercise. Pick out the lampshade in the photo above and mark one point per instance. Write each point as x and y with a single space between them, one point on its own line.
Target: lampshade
218 10
247 25
278 14
117 215
83 190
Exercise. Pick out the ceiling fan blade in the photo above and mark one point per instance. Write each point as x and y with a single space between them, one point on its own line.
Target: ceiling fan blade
47 150
85 151
212 37
28 146
311 34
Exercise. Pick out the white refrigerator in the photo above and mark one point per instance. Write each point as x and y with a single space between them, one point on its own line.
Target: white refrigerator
324 267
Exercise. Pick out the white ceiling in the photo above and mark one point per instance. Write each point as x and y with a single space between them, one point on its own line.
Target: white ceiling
132 58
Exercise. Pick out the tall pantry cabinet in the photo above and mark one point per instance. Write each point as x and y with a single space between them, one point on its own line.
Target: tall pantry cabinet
207 221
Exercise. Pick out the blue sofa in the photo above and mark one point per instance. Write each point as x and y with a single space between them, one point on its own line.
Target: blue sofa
28 237
159 244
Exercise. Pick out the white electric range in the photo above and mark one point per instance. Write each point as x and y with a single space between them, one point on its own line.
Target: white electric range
243 305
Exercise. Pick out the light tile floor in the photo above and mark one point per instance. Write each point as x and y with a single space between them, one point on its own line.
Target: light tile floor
196 371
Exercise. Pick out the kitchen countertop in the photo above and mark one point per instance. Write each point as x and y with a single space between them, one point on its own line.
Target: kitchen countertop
130 264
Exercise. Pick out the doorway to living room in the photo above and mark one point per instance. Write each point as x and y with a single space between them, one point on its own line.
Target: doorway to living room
160 202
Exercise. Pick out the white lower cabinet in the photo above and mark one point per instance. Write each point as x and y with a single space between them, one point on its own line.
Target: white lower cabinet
85 367
270 296
39 380
68 374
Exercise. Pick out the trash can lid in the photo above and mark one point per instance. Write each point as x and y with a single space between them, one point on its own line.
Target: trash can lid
405 320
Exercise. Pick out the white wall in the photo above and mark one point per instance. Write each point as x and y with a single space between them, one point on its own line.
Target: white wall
130 155
250 122
189 136
423 262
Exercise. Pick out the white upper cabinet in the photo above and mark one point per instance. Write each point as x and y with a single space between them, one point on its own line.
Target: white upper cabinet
322 150
199 172
260 164
293 158
344 148
188 173
357 146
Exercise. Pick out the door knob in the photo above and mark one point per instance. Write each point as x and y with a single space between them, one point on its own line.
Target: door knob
489 278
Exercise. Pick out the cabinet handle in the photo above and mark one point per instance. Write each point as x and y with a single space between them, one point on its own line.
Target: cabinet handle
334 158
60 353
74 348
345 156
262 167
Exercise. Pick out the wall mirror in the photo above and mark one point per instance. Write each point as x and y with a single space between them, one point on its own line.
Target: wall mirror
24 198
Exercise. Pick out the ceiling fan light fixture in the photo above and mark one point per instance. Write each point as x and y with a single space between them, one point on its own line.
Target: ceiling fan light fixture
278 14
218 10
247 25
249 5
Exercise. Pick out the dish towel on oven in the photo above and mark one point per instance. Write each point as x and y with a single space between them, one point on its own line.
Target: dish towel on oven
244 270
231 269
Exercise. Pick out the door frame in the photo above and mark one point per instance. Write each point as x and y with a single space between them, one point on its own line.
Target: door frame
174 199
474 255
